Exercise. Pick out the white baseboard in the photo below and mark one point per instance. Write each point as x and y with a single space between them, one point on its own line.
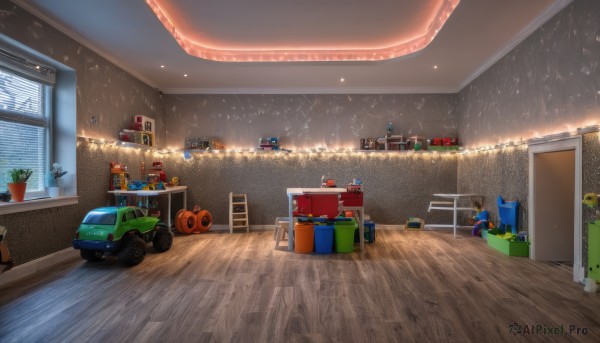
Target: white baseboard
35 266
389 227
221 227
272 227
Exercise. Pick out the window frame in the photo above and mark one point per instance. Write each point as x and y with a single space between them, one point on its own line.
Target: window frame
43 122
27 68
62 140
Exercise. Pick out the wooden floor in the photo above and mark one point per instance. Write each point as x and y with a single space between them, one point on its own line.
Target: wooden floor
219 287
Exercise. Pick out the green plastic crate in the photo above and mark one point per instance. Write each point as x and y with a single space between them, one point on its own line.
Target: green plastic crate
507 247
485 233
443 147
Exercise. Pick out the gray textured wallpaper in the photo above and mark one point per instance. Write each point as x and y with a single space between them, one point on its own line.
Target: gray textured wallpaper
307 120
549 83
104 91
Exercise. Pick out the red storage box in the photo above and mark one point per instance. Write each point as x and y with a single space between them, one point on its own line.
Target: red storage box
352 199
317 205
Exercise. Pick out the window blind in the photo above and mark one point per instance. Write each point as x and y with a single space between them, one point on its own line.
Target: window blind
24 128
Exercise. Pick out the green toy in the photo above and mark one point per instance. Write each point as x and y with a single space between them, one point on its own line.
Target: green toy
122 231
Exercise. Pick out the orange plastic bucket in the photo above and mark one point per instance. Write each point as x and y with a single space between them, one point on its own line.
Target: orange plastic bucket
304 238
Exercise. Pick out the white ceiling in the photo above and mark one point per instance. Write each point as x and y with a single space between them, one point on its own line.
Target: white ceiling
126 32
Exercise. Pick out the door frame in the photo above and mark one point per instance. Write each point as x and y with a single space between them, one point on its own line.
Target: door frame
571 143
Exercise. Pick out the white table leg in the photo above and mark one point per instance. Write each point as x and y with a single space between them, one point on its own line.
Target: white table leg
361 228
169 210
455 215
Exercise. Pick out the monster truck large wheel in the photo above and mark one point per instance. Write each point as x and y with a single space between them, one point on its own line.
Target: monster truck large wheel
91 255
133 251
163 239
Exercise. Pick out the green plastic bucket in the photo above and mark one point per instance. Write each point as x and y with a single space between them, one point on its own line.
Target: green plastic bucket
344 235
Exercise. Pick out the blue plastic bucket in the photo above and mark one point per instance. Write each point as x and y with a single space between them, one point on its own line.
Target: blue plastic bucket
324 239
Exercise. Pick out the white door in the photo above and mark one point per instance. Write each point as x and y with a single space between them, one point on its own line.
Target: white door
555 203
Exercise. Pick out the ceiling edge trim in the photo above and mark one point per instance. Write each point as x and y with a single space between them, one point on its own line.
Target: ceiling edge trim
233 54
311 90
550 12
79 39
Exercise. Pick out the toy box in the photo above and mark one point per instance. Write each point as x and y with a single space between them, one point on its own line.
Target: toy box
414 224
144 123
369 232
317 205
510 248
352 198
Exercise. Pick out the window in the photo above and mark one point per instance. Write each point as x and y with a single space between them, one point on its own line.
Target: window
100 218
25 119
130 215
139 213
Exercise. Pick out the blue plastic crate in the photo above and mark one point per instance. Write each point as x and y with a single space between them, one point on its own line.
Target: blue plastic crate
369 232
508 215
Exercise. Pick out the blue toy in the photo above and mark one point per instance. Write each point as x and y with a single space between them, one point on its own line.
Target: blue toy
508 215
481 222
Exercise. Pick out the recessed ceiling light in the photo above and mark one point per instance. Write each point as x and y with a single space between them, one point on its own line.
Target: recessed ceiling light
342 79
184 75
435 67
162 66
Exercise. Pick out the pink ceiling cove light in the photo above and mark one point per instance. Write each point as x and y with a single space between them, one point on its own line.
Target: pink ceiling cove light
417 33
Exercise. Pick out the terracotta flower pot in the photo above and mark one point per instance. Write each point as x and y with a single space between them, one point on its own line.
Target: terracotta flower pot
17 191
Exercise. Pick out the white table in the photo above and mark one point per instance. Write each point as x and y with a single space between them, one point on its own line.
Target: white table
450 206
168 192
292 192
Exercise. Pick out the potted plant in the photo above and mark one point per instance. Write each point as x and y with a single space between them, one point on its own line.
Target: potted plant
54 175
19 183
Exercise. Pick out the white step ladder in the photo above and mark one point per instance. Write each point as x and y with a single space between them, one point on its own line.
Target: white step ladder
238 212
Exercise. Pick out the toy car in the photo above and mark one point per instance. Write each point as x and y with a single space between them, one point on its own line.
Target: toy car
122 231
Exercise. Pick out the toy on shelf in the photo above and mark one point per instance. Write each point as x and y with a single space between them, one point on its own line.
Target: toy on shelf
119 177
141 131
157 174
138 185
368 144
389 129
416 143
355 186
270 143
203 143
194 221
446 143
174 182
156 179
395 142
327 182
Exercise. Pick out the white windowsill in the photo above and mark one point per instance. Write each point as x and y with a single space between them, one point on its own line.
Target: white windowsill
37 204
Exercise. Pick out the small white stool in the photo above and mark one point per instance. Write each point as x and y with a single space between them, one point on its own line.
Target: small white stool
281 229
